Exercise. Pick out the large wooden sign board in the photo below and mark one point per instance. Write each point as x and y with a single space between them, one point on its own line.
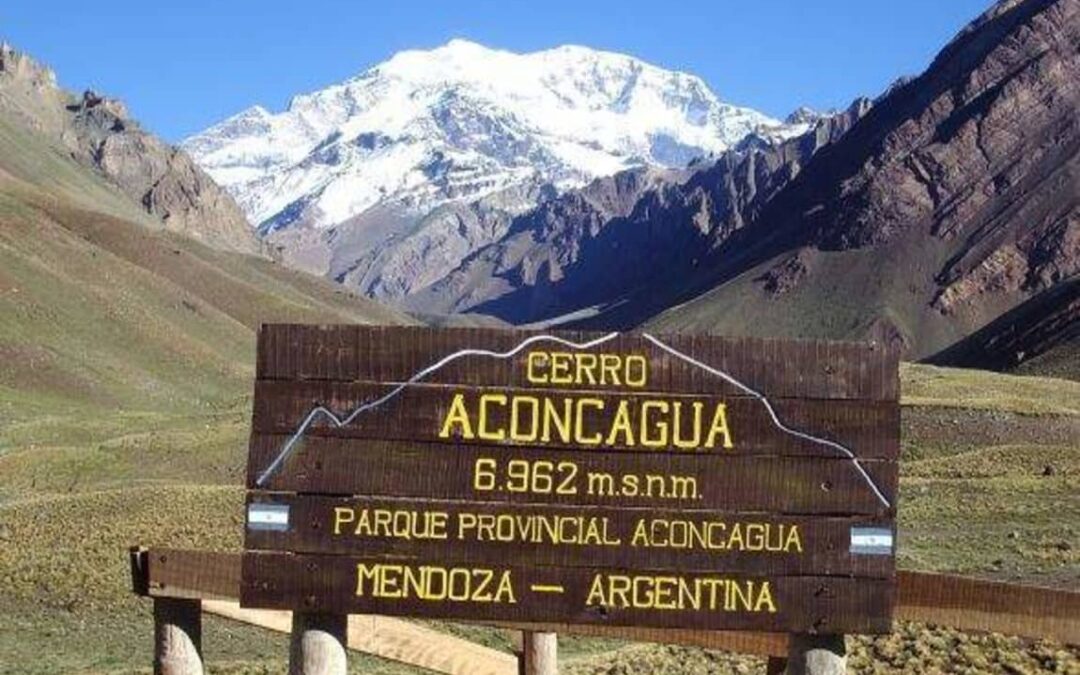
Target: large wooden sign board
628 479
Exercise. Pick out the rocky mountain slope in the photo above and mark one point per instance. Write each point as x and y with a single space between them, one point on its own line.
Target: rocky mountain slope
954 200
589 248
107 312
1041 336
386 181
920 219
98 133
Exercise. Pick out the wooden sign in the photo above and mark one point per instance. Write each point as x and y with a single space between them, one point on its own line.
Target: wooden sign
626 479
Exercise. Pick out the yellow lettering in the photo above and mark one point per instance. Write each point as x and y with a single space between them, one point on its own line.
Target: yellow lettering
673 593
621 425
660 426
486 433
561 368
793 540
596 592
694 440
579 421
609 366
532 360
340 513
365 573
457 415
563 424
636 371
516 432
765 599
719 428
586 365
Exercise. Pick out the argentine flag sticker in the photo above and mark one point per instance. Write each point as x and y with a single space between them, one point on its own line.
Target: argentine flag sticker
268 517
871 541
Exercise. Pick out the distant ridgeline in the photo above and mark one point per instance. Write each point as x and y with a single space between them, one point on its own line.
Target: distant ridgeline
692 482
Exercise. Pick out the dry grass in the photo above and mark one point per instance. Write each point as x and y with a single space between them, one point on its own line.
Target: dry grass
982 390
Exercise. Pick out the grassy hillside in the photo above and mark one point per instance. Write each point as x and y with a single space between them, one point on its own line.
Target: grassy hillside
889 303
975 498
126 357
107 316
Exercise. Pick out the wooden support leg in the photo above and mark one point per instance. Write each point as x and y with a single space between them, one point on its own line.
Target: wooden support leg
777 665
317 645
177 637
817 655
539 653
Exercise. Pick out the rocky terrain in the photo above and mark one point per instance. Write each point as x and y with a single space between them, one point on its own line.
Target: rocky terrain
918 218
593 246
127 348
386 181
952 201
1041 336
98 133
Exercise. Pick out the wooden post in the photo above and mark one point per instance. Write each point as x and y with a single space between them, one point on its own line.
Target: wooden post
317 645
539 653
817 655
177 637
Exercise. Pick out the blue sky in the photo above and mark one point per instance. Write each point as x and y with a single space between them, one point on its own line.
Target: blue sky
183 65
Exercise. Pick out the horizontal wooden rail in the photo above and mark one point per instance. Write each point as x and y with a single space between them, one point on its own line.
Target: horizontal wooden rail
958 602
390 638
214 578
989 606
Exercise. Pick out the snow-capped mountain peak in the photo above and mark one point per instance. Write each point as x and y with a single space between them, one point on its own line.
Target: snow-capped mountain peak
454 124
461 120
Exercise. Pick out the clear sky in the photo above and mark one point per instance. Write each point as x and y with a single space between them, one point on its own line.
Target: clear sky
182 65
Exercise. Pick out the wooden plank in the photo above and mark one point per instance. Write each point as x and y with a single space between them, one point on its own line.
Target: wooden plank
389 638
792 485
980 605
512 425
177 573
743 642
346 584
395 638
395 354
570 536
140 579
532 417
959 602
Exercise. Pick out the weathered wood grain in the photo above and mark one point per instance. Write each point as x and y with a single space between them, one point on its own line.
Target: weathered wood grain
982 605
809 430
177 637
203 575
395 639
793 485
799 603
871 429
780 368
960 602
738 541
317 644
539 653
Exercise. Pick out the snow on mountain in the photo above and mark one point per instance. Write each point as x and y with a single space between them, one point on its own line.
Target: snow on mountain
451 126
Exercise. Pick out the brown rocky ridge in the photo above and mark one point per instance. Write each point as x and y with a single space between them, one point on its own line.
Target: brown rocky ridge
98 132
